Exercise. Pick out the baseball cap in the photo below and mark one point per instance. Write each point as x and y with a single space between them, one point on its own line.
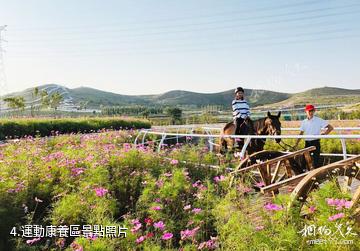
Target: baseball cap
309 108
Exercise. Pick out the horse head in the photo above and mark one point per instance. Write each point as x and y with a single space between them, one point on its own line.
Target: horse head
273 125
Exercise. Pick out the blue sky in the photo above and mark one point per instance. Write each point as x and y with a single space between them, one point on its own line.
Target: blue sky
146 47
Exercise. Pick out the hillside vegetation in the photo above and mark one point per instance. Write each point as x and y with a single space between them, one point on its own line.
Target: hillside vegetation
95 99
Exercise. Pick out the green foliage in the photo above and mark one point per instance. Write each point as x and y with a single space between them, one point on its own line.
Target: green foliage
46 127
339 114
327 145
175 113
16 103
131 110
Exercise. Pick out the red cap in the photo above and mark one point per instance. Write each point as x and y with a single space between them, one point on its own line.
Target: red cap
309 108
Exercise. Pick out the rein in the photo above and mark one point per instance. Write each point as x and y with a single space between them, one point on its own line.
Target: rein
291 147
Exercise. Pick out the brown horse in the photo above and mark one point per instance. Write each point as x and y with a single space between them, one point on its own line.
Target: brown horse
269 125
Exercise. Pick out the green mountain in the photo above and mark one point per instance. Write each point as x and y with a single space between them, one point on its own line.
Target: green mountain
94 99
326 96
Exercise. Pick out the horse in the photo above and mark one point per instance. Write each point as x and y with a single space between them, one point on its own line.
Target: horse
269 125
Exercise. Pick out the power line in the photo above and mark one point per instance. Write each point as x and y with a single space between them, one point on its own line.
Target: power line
197 16
241 43
233 24
114 40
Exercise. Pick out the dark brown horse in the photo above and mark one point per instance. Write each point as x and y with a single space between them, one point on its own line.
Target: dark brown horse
269 125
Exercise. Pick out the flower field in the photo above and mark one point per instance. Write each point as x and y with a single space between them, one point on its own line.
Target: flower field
99 184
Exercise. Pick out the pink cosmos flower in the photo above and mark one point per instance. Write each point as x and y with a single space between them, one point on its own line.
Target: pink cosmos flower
136 228
218 179
135 221
247 189
140 239
100 191
160 225
156 208
159 183
196 183
258 228
260 184
187 207
312 209
92 237
76 247
339 203
336 216
348 204
331 202
174 162
89 158
167 236
187 234
210 244
272 207
77 171
196 210
168 174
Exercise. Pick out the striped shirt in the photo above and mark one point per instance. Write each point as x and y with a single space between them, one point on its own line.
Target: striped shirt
240 109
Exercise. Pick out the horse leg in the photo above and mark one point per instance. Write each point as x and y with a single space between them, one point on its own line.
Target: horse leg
223 146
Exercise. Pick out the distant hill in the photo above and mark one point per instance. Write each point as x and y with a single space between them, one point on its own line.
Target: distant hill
328 91
94 99
254 97
325 96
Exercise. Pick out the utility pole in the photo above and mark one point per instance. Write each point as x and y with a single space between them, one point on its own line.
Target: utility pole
3 85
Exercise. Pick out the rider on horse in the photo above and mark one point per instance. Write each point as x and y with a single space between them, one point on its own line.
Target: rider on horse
241 113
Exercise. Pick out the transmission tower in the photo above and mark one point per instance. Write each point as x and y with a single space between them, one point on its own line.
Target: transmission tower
3 85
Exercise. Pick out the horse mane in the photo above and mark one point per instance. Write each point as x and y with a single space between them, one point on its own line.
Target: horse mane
259 123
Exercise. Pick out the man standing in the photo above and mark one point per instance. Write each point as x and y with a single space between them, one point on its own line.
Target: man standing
312 125
241 111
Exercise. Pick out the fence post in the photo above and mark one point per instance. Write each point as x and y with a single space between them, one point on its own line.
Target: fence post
343 145
210 140
161 141
243 150
135 141
143 139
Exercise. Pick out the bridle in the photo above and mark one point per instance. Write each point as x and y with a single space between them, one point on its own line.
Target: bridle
279 143
285 149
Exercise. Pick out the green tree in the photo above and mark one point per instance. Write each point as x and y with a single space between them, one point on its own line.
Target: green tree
83 105
11 102
45 99
55 100
175 114
15 103
145 114
34 96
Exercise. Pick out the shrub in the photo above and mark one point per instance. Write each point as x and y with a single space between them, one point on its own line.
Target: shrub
45 127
